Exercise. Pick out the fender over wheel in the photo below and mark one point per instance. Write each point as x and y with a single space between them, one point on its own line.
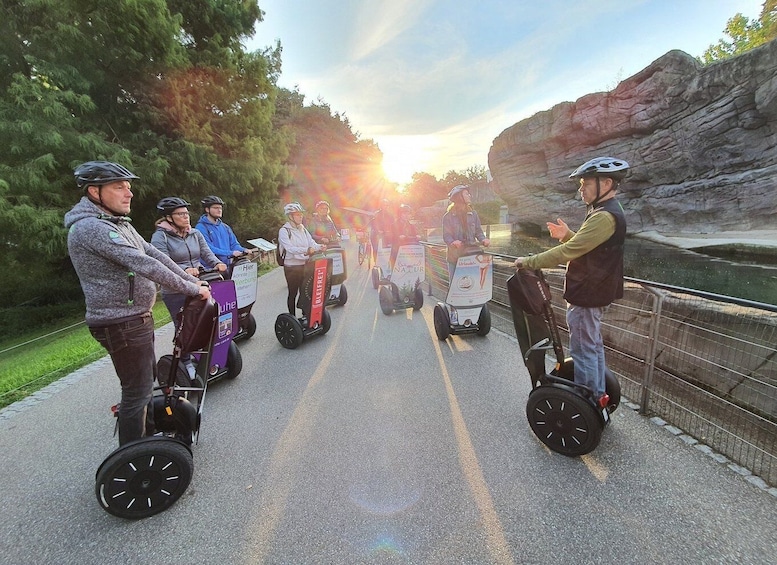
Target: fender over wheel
144 477
564 421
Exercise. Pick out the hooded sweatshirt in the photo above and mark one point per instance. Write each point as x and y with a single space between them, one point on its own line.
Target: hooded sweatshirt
118 269
220 237
296 241
188 251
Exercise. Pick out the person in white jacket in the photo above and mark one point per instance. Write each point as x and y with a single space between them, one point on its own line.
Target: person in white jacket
298 245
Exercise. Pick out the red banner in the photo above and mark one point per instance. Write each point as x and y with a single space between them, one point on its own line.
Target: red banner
318 298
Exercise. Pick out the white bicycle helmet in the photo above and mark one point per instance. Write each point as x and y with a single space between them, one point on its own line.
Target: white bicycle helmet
616 169
292 207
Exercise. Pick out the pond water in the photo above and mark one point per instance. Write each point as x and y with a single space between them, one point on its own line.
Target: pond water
651 261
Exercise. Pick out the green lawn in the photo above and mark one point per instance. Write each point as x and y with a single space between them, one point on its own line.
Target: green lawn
30 361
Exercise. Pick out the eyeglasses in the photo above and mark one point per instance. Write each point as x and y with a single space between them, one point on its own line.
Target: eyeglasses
180 214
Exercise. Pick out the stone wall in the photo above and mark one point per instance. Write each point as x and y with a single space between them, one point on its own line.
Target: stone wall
701 140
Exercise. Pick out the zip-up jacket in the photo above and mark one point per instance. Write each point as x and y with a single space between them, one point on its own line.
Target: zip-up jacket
469 231
296 242
117 268
188 251
220 237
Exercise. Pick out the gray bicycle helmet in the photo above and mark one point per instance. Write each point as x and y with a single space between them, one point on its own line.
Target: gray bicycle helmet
209 201
98 173
456 190
615 169
167 205
292 207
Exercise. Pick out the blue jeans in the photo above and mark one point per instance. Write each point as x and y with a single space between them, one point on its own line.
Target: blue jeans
131 347
586 346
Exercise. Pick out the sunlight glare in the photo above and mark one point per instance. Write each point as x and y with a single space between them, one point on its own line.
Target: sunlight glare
404 155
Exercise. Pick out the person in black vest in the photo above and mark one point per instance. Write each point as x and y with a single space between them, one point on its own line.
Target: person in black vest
594 258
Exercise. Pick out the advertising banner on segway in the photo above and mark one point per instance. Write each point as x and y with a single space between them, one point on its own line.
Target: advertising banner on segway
409 270
318 297
223 293
338 270
244 275
472 282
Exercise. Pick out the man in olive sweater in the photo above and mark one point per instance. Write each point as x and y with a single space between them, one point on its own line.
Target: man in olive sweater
119 272
594 258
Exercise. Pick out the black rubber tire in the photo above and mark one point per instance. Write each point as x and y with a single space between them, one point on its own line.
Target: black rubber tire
613 388
418 299
343 298
234 361
288 331
484 321
376 276
250 326
144 477
564 421
362 253
326 321
386 299
442 326
163 372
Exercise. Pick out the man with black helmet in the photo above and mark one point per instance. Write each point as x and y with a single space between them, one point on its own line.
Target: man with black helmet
119 272
594 258
220 237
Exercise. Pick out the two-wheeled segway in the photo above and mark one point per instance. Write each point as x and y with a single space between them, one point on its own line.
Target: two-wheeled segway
225 360
146 476
338 294
292 331
401 289
563 414
244 272
465 309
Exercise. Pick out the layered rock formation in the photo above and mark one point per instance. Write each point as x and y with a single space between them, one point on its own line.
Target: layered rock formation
702 143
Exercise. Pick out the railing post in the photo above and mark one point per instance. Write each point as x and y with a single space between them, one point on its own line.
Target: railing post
650 356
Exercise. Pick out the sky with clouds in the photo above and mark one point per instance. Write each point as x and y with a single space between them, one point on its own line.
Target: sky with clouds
433 82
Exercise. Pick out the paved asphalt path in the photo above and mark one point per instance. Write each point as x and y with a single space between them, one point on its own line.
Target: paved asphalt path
375 443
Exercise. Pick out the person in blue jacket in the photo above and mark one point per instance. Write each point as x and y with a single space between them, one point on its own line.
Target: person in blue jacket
220 237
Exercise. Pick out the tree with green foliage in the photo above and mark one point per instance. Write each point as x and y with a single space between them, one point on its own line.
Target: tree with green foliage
164 87
744 34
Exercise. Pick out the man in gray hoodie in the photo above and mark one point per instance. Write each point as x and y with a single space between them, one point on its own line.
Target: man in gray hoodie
119 272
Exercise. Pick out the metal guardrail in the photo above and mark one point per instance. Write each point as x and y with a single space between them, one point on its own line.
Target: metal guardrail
704 363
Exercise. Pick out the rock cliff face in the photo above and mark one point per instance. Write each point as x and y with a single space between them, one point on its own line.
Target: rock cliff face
701 141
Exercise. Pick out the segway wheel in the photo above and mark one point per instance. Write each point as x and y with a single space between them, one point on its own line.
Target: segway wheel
326 321
386 300
564 421
418 299
250 326
163 372
144 477
234 361
484 321
613 388
288 331
343 298
442 325
376 276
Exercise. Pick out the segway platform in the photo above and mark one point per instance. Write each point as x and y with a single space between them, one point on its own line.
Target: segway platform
292 331
401 289
562 414
465 309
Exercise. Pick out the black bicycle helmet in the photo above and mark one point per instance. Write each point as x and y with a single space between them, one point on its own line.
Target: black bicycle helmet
209 201
98 173
167 205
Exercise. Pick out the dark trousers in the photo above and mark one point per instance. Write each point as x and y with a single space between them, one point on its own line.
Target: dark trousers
131 347
295 274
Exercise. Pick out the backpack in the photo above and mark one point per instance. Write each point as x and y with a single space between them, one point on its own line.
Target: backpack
280 256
